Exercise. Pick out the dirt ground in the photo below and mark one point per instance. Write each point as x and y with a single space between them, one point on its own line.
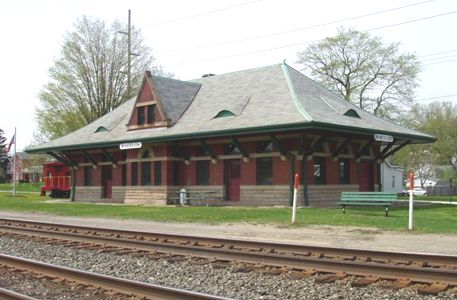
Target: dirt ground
336 236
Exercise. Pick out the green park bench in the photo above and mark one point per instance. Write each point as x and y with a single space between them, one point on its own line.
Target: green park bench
367 199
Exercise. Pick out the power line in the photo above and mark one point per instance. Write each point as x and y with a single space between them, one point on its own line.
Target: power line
297 29
307 42
201 14
440 62
438 53
437 97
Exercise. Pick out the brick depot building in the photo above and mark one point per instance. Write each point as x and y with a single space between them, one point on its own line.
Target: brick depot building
242 135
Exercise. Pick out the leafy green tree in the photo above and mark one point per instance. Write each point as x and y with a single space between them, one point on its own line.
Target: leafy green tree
4 158
440 120
89 78
365 71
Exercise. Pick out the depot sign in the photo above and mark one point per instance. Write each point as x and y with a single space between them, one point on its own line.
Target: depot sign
383 138
132 145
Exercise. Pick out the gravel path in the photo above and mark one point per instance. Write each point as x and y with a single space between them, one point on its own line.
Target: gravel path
202 278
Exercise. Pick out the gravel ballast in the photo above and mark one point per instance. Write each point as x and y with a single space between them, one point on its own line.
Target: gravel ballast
202 278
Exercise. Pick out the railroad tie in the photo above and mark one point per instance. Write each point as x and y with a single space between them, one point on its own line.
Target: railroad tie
364 281
329 278
433 289
398 284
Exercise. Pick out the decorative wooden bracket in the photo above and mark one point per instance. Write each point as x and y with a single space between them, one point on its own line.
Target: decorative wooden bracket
243 151
109 157
341 147
90 159
209 149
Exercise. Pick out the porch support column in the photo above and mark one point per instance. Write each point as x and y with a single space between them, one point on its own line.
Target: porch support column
305 181
73 185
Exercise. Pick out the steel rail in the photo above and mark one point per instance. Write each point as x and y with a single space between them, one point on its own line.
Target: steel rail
344 261
149 237
124 286
11 295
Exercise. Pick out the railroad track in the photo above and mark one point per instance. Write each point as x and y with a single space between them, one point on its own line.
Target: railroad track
437 272
111 286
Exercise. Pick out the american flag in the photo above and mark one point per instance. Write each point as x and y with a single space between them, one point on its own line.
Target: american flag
13 140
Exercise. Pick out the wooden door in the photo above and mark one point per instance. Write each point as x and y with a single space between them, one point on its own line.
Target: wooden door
233 176
366 177
107 182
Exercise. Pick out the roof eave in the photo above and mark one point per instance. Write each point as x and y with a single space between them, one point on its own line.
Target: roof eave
251 130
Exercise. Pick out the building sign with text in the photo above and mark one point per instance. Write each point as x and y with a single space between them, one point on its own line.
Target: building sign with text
132 145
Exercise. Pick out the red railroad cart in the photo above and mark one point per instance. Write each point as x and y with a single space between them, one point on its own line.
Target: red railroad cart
56 180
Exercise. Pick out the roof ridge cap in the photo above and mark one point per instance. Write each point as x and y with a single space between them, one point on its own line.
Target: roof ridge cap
295 100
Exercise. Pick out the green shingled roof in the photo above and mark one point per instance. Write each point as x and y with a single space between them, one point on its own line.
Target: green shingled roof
265 99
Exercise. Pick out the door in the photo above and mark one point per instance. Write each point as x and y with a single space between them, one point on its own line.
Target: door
107 182
366 177
233 175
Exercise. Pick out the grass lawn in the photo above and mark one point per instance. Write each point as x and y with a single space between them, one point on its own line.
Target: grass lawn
21 187
432 218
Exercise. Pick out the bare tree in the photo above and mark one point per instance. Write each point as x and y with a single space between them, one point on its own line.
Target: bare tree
359 67
88 80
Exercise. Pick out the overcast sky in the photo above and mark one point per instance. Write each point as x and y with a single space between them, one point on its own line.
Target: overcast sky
192 38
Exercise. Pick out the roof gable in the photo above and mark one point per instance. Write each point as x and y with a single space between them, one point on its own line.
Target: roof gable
161 101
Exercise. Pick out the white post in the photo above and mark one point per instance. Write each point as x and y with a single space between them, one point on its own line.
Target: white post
294 204
14 163
411 202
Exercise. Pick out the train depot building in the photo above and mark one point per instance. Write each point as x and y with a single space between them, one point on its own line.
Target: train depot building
239 136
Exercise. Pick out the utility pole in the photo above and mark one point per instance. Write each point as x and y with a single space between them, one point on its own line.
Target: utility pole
129 52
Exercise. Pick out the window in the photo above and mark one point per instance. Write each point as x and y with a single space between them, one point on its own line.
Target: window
231 149
264 147
134 173
157 172
203 172
224 113
319 170
265 171
344 171
202 151
150 114
87 176
145 173
141 115
393 181
124 175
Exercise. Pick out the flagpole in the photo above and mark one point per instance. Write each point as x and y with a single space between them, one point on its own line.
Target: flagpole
14 163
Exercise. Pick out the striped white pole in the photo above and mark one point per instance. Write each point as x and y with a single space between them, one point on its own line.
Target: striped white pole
294 204
411 187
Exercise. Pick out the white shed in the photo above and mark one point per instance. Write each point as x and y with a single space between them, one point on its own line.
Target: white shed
391 178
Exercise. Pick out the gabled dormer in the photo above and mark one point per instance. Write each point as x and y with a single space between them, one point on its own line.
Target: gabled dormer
147 111
161 102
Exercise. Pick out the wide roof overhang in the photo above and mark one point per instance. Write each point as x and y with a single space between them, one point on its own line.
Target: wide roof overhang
413 139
